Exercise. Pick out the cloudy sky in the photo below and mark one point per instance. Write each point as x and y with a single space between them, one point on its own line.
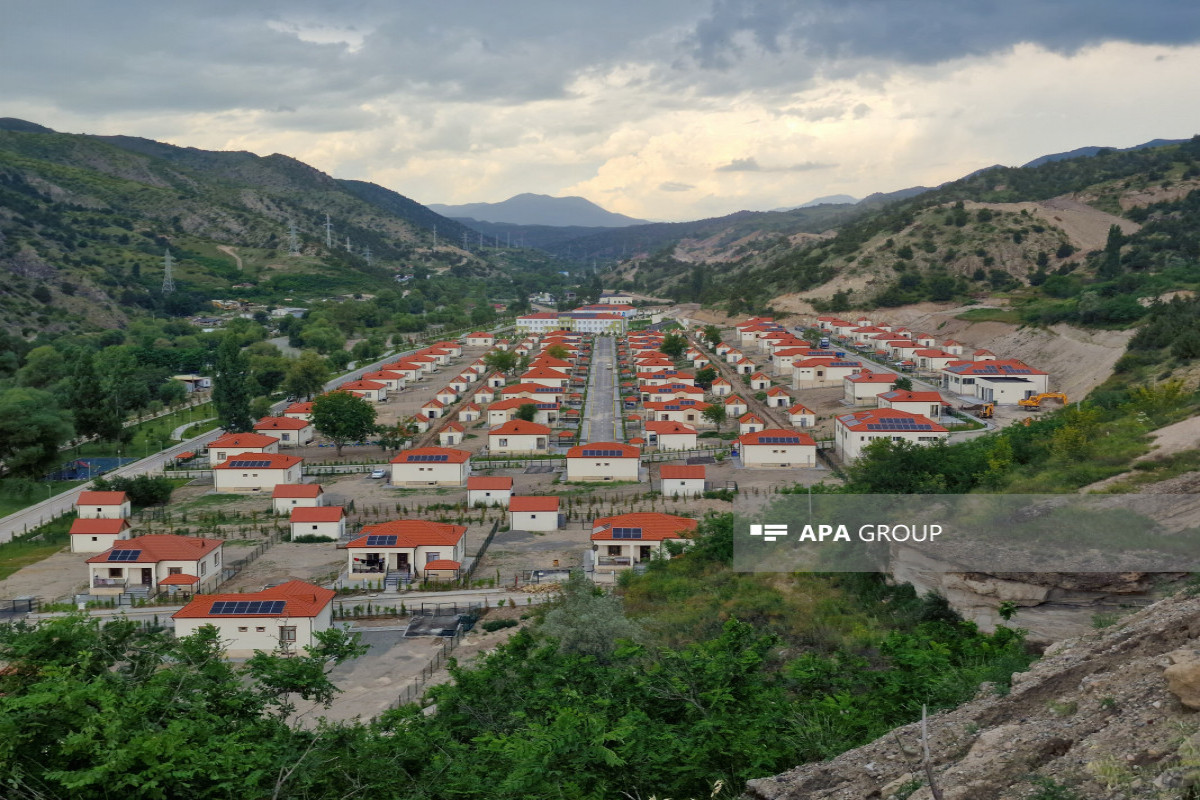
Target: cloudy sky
660 109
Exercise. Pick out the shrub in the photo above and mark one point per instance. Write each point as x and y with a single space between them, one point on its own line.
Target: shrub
499 624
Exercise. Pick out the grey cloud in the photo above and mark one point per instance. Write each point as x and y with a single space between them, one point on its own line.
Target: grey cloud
751 164
672 186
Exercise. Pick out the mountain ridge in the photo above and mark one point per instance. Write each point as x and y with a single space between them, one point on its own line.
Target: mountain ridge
528 208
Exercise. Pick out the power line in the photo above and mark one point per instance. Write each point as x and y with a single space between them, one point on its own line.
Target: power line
168 279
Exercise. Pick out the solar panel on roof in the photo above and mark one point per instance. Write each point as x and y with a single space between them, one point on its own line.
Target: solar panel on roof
627 533
255 464
124 555
380 540
256 607
602 453
426 458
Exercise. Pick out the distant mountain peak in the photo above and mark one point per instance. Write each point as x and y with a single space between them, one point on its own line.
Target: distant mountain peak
23 126
528 208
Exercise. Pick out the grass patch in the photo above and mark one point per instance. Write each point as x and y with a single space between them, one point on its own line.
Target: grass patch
991 315
18 495
32 547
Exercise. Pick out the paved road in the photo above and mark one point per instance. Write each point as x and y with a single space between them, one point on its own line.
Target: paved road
601 416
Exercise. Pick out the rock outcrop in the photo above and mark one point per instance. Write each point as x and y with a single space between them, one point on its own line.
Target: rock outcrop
1108 715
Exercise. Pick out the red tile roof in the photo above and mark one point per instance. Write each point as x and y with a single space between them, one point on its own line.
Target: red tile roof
453 456
179 579
300 600
519 427
98 527
161 547
280 424
669 427
902 396
102 498
488 483
771 433
537 503
317 514
412 533
675 472
655 527
860 420
297 490
627 451
440 564
243 440
274 461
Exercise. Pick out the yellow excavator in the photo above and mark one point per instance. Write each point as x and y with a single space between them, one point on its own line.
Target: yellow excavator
981 410
1035 403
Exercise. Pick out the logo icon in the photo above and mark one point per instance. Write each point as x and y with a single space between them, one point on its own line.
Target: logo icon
769 533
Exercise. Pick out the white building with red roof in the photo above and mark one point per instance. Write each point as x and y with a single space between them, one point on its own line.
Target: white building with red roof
287 496
994 381
854 432
102 505
451 434
823 371
620 541
146 562
394 381
671 435
226 447
533 513
735 406
480 339
433 409
864 388
431 466
929 404
750 423
683 410
256 472
777 447
721 388
489 490
681 481
519 437
930 358
502 411
299 410
282 619
320 521
400 550
97 534
290 432
778 397
759 382
470 413
801 417
603 461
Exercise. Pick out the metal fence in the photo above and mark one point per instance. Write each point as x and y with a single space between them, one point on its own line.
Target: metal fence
414 691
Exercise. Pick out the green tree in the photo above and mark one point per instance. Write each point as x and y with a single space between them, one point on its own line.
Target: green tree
32 428
587 620
231 393
394 437
341 417
526 411
558 351
715 414
673 345
44 366
94 414
705 376
306 375
902 384
504 361
713 334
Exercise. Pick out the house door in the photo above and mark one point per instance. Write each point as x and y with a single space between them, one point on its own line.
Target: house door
402 562
644 553
147 576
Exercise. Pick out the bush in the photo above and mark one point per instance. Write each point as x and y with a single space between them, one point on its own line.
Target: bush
499 624
312 538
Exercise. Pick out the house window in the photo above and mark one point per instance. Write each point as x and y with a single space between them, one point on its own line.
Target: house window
287 633
174 570
243 629
217 559
614 549
432 557
95 538
286 437
203 567
260 629
503 443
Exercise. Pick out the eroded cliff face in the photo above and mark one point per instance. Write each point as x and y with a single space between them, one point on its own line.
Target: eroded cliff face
1111 714
1051 606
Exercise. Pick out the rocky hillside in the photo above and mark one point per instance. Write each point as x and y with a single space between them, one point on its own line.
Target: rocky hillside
85 222
1107 716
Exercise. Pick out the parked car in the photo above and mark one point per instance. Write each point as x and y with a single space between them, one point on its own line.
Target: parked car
379 473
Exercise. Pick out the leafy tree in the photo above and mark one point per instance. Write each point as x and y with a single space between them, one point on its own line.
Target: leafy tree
231 394
394 437
44 366
558 351
32 428
587 620
306 375
143 490
526 412
504 361
715 414
706 376
94 414
260 407
673 345
341 417
713 334
903 384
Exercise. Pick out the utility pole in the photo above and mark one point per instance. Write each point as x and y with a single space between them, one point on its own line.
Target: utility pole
168 279
465 246
293 239
435 237
328 232
349 249
367 254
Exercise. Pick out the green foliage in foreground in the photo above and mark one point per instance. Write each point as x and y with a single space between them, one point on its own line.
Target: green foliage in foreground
599 709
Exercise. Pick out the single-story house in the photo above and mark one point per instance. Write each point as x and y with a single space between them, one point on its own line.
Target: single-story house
864 388
994 381
374 391
801 417
281 619
401 549
256 472
777 397
290 432
777 447
470 413
97 534
480 339
320 521
750 423
451 434
721 388
671 435
681 481
926 403
489 490
759 382
735 406
627 539
433 409
296 495
856 431
431 466
102 505
533 513
603 461
519 436
149 561
225 447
